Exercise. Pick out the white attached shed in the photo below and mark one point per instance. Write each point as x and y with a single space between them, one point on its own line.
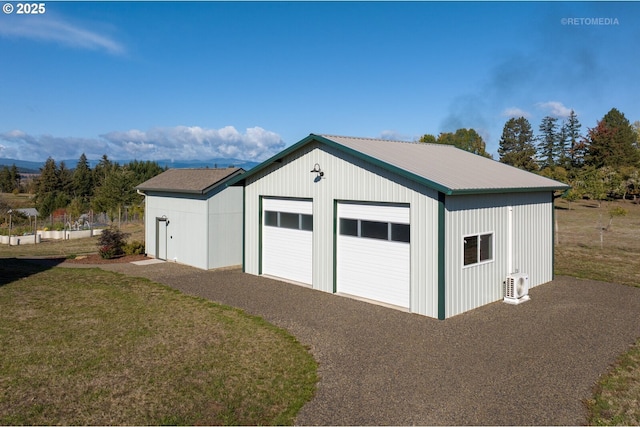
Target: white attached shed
427 228
193 218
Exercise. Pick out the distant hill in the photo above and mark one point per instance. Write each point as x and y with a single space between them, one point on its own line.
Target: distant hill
25 166
22 165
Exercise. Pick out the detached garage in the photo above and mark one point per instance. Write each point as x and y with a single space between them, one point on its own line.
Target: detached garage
193 218
426 228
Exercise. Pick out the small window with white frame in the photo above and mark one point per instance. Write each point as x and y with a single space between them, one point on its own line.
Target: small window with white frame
478 249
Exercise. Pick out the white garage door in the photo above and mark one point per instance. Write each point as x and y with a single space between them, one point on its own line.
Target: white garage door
373 252
287 237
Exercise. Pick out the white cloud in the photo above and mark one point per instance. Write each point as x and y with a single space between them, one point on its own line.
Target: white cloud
44 28
175 143
515 112
194 142
555 108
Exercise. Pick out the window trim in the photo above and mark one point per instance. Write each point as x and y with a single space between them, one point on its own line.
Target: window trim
479 236
279 220
359 230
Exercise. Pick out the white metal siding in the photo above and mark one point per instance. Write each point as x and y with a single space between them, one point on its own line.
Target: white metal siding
476 285
370 268
186 231
203 231
287 253
347 178
225 228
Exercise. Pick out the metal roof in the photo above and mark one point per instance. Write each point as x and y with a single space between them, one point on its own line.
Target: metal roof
444 168
192 181
28 211
456 170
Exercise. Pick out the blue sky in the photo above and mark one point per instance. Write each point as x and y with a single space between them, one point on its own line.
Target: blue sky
198 80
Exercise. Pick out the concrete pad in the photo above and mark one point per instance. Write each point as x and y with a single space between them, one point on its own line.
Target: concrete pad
148 261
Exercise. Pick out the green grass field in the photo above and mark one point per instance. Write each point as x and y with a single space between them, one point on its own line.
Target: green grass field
91 347
585 250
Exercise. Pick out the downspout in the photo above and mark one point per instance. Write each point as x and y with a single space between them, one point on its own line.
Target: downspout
510 240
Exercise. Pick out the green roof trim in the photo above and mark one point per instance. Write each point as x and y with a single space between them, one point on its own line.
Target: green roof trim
377 162
238 180
254 170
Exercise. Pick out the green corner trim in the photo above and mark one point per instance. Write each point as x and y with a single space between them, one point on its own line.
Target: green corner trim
259 234
441 256
244 226
335 246
553 237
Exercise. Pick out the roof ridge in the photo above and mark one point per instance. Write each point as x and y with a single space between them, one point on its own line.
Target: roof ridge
371 139
204 169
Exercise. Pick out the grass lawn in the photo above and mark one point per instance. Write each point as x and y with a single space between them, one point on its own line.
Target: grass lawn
91 347
611 256
66 248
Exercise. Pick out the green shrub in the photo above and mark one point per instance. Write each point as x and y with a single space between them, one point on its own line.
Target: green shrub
111 243
135 247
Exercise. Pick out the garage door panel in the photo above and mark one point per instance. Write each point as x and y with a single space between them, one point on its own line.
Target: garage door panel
375 269
287 252
376 273
374 213
288 205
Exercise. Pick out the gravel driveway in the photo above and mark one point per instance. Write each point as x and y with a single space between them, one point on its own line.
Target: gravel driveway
534 363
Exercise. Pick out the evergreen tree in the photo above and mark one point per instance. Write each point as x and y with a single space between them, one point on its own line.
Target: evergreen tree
516 144
49 182
102 169
83 180
561 150
115 192
548 142
52 187
143 171
574 138
613 142
6 186
66 180
9 179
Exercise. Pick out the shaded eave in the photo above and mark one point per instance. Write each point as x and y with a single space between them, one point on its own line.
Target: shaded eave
224 181
239 180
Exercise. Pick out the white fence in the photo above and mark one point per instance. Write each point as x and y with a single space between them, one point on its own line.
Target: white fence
50 234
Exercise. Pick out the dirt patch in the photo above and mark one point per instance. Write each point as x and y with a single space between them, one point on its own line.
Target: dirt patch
97 259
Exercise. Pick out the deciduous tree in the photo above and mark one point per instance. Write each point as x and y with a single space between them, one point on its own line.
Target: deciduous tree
465 139
428 138
613 142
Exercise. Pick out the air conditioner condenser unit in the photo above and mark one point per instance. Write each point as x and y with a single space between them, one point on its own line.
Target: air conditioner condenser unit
516 288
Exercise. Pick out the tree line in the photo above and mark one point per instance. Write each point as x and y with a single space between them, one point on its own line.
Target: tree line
10 179
108 187
602 163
